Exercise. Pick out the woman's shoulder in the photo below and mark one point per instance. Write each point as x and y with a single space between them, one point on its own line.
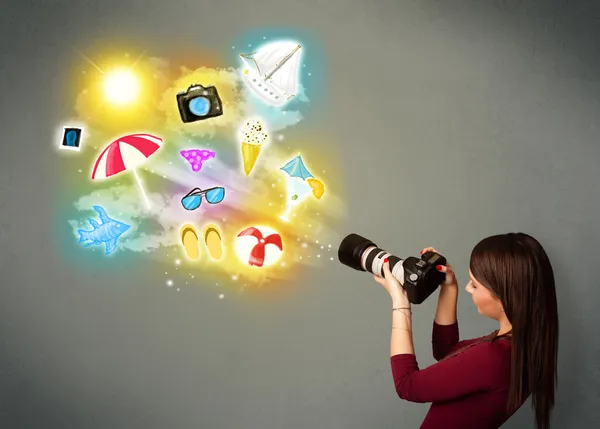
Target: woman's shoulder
494 359
495 351
487 344
472 341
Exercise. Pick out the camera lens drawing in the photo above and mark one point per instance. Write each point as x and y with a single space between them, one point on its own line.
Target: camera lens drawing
199 106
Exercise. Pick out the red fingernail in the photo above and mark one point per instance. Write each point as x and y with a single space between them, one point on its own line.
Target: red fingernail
421 252
385 260
438 267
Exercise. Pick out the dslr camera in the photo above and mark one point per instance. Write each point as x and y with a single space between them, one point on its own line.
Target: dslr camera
198 103
417 276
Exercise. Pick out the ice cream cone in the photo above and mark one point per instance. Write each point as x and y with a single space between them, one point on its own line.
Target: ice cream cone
250 154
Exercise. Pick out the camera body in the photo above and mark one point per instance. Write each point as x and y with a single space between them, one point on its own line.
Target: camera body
198 103
418 276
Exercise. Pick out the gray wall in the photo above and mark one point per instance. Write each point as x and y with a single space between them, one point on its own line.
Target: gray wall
469 118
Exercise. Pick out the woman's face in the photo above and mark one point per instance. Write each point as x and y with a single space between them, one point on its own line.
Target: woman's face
487 304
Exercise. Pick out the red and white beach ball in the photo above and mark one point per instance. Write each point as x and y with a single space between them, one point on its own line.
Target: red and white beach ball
260 247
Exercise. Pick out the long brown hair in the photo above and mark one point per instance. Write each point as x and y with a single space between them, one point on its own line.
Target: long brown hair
517 270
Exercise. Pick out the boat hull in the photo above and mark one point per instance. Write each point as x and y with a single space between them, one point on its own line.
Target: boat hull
265 90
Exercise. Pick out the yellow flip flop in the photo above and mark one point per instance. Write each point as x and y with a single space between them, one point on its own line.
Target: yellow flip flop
189 239
212 239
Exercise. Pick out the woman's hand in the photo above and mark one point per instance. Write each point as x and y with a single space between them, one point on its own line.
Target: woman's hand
389 282
450 276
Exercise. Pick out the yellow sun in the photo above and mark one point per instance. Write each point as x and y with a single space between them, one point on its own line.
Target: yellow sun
121 87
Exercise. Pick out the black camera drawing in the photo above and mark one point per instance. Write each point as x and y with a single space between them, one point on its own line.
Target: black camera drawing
417 276
198 103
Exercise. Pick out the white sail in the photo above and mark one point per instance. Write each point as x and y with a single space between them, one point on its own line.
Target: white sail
286 77
272 71
268 58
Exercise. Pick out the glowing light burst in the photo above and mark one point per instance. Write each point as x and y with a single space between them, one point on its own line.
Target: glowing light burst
297 191
258 200
121 87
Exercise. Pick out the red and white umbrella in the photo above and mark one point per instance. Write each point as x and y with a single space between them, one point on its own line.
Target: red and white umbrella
126 153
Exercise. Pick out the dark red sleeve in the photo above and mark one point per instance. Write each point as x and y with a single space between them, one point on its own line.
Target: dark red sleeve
443 339
473 370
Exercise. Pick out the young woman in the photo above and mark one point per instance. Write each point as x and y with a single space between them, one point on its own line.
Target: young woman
479 383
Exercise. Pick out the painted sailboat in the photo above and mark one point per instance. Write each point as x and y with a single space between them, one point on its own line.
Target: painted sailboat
272 72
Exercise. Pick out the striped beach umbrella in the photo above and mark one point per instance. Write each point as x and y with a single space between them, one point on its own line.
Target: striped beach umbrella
126 154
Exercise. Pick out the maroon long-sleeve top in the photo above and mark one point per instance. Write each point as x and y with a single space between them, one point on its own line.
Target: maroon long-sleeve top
467 390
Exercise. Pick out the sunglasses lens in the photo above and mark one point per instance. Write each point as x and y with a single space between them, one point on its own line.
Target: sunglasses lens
192 202
215 196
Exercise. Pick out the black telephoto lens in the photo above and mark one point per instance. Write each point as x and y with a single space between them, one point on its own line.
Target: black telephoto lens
351 250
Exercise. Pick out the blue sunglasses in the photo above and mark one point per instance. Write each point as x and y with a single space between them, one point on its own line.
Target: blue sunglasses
194 198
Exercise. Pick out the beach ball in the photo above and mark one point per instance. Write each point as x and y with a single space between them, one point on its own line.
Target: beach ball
258 246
